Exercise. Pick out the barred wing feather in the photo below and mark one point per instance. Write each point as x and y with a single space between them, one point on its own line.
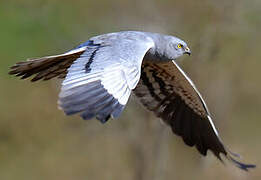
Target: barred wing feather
167 91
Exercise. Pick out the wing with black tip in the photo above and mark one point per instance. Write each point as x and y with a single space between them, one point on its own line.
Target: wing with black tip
167 91
98 83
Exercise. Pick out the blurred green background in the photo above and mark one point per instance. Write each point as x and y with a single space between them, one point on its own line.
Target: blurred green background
37 141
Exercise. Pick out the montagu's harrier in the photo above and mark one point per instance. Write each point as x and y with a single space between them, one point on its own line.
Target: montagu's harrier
101 73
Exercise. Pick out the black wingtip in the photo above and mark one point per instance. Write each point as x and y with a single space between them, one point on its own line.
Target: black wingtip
103 118
241 165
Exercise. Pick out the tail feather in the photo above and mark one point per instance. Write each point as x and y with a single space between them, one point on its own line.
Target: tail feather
46 67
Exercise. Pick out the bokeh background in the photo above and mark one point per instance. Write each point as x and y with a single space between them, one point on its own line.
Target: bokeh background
37 141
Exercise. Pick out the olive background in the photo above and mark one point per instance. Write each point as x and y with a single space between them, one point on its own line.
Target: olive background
37 141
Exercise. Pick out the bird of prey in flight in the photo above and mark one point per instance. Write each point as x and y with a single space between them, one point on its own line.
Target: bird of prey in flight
100 74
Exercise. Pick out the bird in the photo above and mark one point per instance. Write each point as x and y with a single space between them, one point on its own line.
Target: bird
101 73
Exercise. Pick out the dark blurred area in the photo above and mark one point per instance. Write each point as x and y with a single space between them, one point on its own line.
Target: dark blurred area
37 141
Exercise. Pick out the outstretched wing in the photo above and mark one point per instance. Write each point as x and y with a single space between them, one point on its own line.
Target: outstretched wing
98 84
166 90
46 67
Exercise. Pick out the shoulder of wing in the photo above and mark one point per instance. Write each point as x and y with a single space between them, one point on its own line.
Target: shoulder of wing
132 37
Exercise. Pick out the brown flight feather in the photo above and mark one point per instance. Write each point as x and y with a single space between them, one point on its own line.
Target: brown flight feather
46 67
166 91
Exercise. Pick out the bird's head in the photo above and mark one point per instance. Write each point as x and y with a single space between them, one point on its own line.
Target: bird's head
176 48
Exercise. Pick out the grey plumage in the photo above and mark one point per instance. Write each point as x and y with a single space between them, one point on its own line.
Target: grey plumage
101 73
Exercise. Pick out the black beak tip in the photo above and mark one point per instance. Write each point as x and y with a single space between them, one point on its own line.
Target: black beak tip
188 53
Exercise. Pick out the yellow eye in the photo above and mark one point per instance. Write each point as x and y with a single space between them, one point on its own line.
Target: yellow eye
179 45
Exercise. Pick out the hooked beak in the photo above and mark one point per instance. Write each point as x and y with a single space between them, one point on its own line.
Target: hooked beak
187 51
